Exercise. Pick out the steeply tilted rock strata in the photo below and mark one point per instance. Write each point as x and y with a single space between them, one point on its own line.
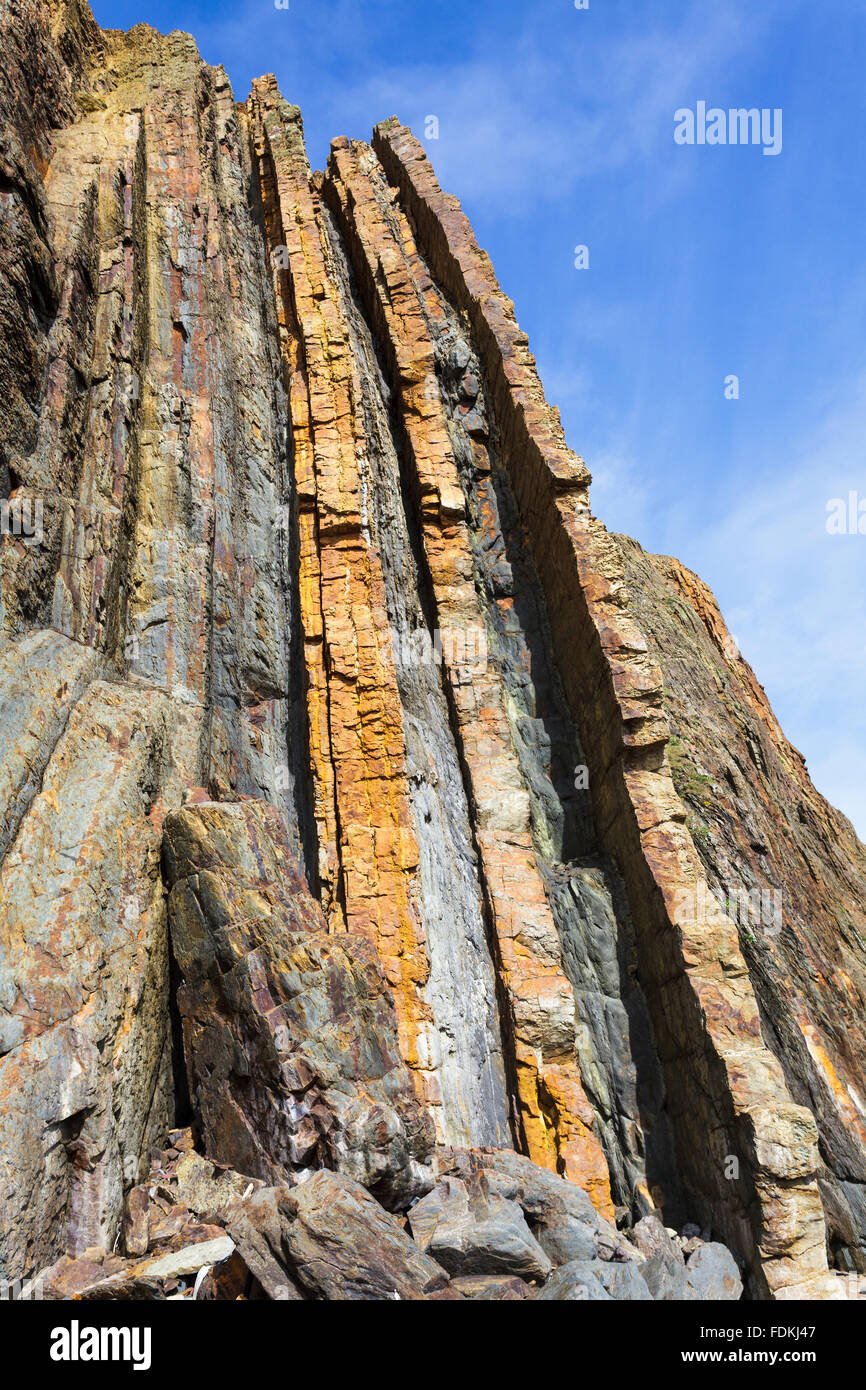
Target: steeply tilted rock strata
85 1075
784 863
289 1033
355 837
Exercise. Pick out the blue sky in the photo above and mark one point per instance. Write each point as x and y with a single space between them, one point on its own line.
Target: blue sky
556 130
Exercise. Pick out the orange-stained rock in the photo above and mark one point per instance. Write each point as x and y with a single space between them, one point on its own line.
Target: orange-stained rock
701 1000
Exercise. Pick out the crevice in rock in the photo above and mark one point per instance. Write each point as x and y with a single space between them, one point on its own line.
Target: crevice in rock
183 1107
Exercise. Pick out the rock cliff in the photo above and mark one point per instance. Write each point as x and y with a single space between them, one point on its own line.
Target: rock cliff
379 834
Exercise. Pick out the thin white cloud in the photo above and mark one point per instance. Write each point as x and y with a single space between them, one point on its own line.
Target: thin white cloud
530 122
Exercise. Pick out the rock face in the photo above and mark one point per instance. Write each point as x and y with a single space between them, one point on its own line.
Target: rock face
289 1034
468 1230
365 804
788 867
330 1240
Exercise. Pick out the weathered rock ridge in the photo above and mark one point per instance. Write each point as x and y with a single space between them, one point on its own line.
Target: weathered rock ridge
367 808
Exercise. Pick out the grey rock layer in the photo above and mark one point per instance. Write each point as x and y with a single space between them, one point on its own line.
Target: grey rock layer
289 1033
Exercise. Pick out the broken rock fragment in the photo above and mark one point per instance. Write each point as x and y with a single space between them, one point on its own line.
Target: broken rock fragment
560 1215
595 1281
712 1273
329 1239
469 1230
492 1288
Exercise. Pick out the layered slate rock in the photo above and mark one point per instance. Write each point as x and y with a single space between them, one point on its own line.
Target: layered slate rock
784 863
555 1115
38 90
86 1068
327 1239
153 433
395 836
42 676
144 416
289 1033
314 576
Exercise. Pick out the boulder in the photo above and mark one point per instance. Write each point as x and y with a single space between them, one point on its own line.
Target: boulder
491 1288
666 1282
123 1290
208 1189
180 1264
574 1282
712 1273
469 1230
652 1239
664 1269
624 1282
229 1281
85 1056
594 1281
328 1239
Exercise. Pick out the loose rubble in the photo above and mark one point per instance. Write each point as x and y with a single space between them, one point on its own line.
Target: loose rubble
494 1228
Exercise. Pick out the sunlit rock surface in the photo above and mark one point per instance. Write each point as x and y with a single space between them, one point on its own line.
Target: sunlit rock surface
374 824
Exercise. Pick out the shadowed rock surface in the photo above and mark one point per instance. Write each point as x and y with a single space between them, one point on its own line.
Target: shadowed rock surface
786 864
365 805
